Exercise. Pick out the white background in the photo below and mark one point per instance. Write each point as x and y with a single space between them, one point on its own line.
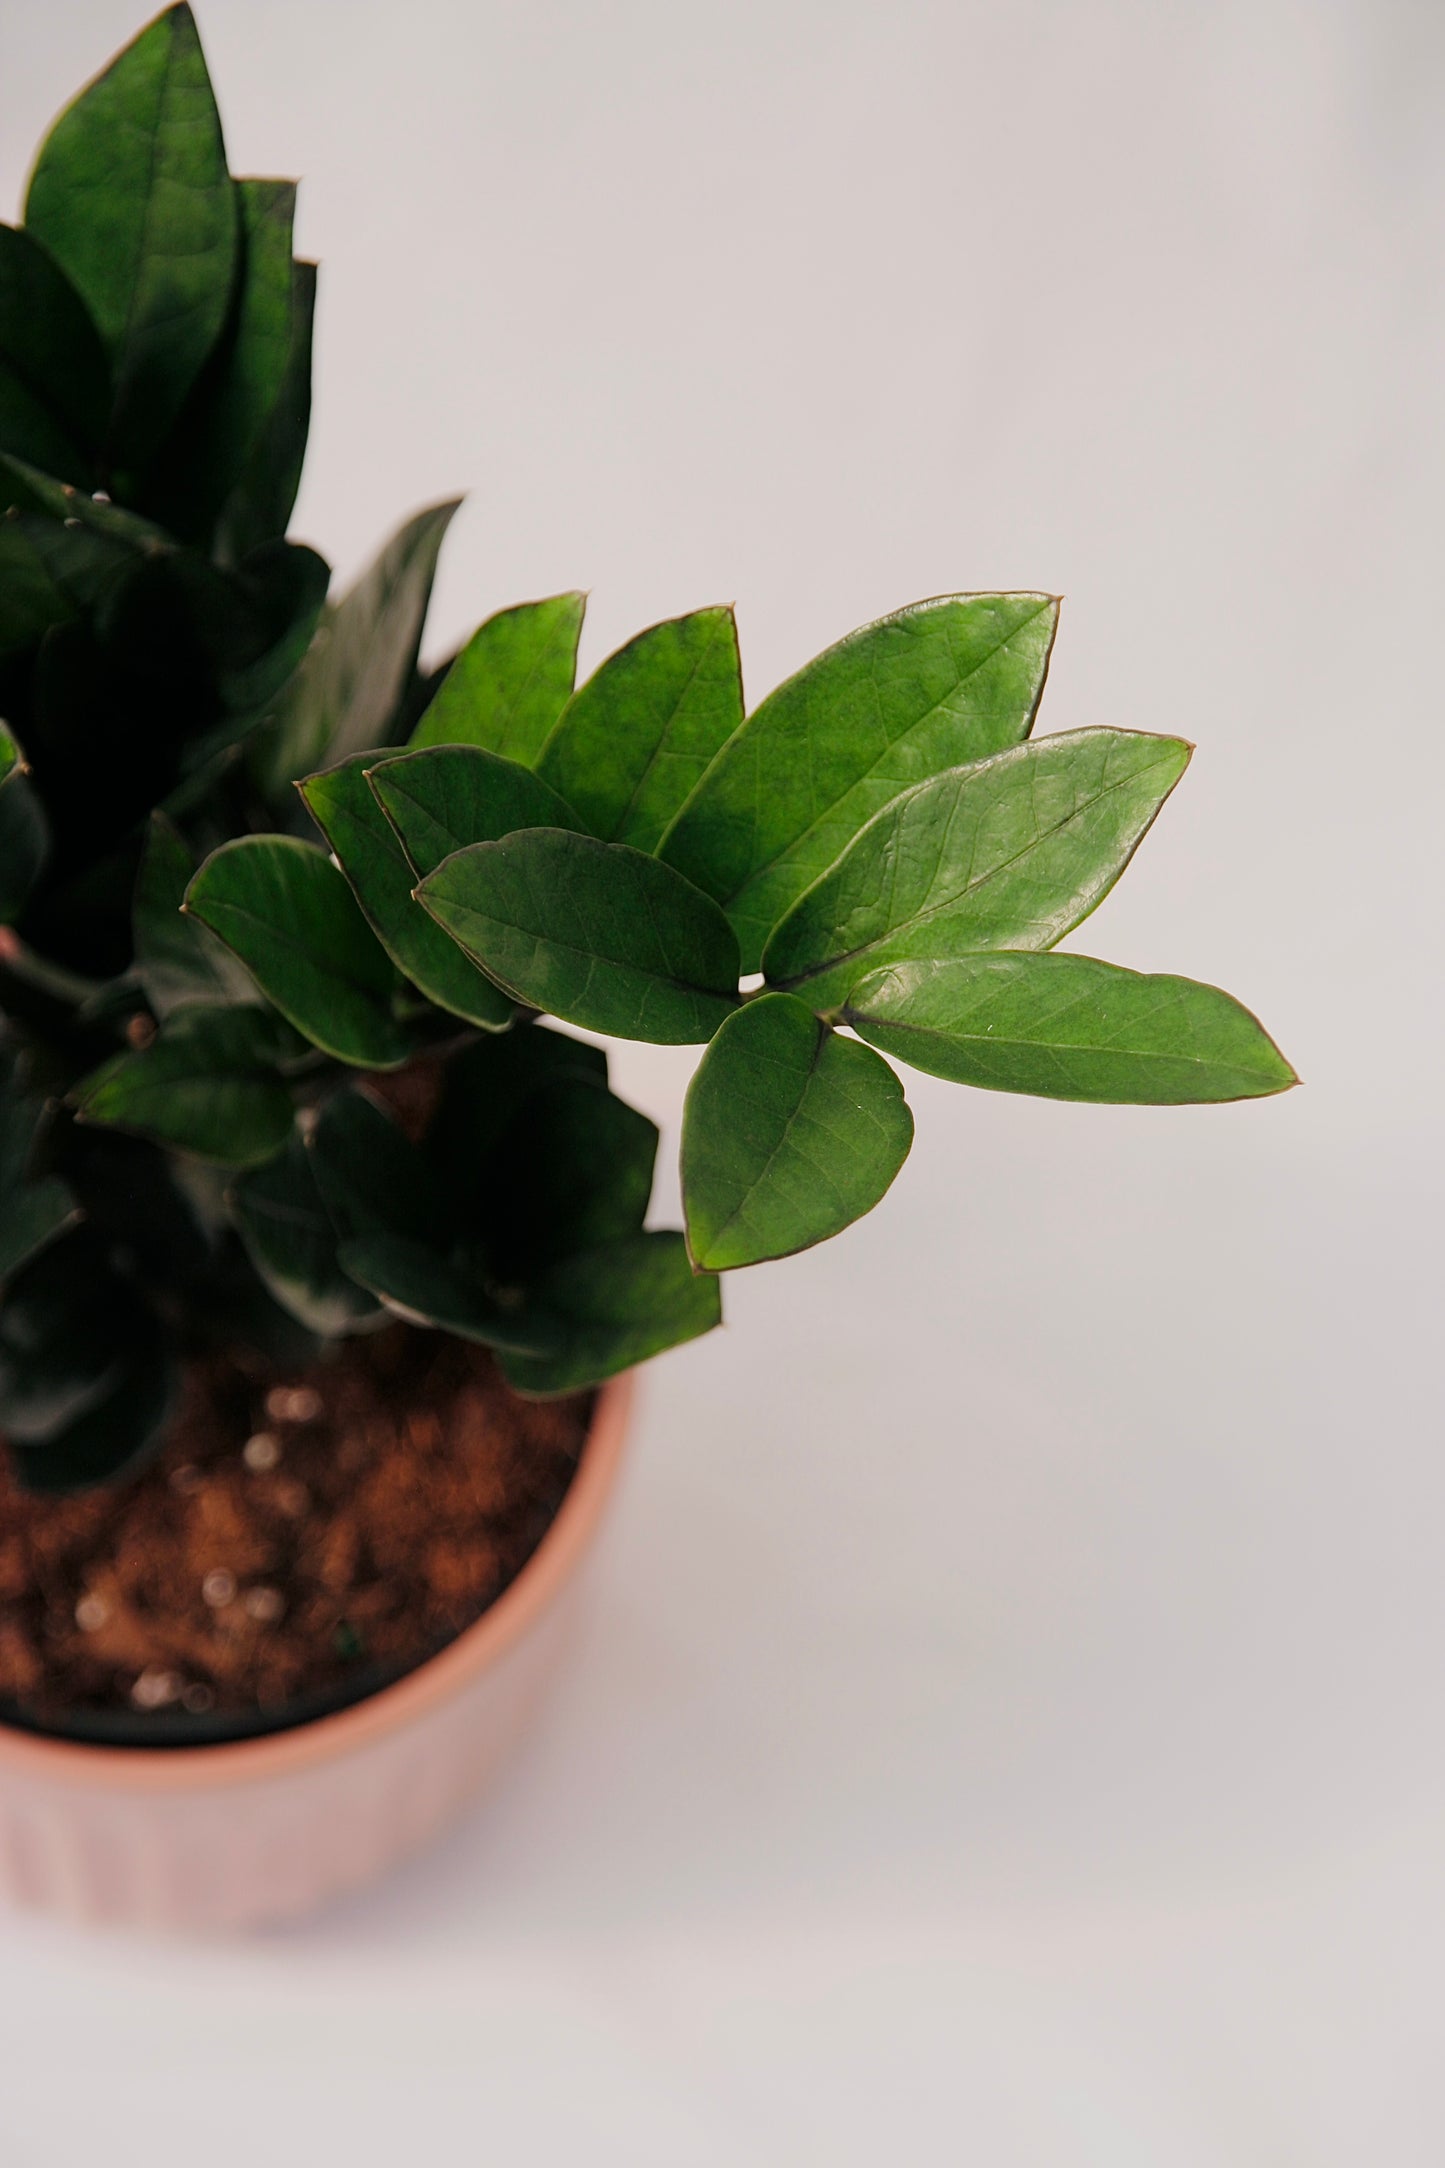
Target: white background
1010 1729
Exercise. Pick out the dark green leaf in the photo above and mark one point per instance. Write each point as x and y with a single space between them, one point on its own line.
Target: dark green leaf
291 1240
30 1218
448 796
421 1284
24 843
615 1307
260 508
510 682
54 378
284 585
12 760
207 457
131 196
597 933
373 1179
178 962
114 1436
32 489
485 1089
933 686
1010 853
789 1135
50 571
344 697
1065 1027
209 1084
287 912
65 1325
341 803
572 1171
635 739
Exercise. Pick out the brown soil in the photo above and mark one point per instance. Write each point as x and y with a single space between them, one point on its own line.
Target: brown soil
302 1534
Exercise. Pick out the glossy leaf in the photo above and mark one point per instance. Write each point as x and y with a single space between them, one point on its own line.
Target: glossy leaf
1010 853
178 961
789 1135
291 1240
1066 1027
115 1434
421 1284
573 1170
283 585
51 572
63 1325
634 740
259 507
448 796
207 458
12 760
209 1084
374 1180
928 688
345 696
615 1307
24 845
595 933
31 1217
54 377
131 196
511 681
341 802
288 913
485 1089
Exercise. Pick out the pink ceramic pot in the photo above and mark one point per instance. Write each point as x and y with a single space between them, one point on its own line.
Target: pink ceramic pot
228 1836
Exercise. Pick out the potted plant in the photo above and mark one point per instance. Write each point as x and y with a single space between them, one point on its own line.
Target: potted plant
323 1239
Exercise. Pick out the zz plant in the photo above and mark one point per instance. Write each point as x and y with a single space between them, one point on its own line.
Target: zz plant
205 971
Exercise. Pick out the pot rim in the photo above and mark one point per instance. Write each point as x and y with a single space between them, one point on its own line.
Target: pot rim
239 1761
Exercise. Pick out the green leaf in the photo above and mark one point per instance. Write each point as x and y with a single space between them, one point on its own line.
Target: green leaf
634 740
485 1088
209 1084
284 586
419 1283
448 796
178 962
24 845
84 1381
206 459
12 760
789 1134
1066 1027
51 571
1009 853
32 489
616 1306
510 682
345 696
342 804
32 1217
928 688
597 933
288 913
54 377
572 1171
131 196
112 1438
373 1179
291 1240
259 508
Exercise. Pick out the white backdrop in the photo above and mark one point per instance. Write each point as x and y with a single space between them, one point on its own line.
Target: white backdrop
1010 1728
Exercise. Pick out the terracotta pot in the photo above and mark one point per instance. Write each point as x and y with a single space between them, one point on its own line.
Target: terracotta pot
228 1836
